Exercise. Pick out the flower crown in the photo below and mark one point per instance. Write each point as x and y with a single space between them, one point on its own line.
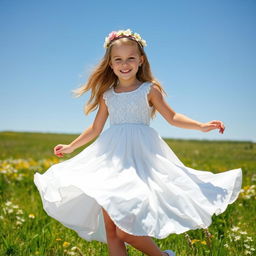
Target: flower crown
123 33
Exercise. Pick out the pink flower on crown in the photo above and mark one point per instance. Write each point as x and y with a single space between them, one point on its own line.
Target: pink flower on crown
112 35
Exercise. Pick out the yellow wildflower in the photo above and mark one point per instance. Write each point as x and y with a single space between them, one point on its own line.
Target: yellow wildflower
194 241
66 244
31 215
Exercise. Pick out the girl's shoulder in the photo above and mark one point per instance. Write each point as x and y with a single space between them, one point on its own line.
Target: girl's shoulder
155 90
107 93
152 87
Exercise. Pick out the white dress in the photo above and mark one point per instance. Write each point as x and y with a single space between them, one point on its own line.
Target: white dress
132 173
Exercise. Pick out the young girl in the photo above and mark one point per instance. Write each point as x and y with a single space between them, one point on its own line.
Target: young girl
128 185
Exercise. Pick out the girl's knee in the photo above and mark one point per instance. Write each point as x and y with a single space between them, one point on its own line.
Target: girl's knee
112 231
125 237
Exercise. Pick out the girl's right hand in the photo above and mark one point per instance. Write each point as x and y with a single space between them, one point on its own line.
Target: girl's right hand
62 149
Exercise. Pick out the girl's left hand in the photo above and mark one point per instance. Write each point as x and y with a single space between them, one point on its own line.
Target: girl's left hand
215 124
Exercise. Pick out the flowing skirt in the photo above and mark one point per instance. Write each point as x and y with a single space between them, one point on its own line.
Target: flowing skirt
132 173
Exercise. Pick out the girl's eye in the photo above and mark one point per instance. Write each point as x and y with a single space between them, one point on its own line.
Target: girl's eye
130 58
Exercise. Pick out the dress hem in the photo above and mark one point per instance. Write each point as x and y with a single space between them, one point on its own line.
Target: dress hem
199 226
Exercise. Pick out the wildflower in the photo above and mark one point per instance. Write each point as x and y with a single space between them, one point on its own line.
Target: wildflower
73 248
203 242
19 211
31 215
20 219
247 252
58 239
66 244
226 245
235 229
10 210
237 238
8 203
243 232
194 241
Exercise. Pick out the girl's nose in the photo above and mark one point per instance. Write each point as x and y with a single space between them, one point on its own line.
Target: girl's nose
124 63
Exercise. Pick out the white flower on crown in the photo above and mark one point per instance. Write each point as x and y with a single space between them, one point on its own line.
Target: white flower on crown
127 32
143 42
137 36
116 34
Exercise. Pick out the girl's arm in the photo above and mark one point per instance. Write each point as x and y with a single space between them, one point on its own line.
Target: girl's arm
177 119
93 131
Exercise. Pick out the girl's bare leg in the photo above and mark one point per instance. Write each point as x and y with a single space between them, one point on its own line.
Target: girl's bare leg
116 238
116 246
144 244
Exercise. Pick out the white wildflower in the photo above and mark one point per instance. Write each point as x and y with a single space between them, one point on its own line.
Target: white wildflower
235 229
9 210
20 219
19 211
8 203
237 238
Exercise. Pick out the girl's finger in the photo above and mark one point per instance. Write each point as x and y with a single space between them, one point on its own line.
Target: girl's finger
58 147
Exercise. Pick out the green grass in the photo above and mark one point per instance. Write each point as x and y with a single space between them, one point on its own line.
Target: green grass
27 230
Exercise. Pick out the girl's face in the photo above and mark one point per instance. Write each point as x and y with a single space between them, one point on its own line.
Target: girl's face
125 61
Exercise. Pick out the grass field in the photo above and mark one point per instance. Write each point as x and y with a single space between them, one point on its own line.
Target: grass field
27 230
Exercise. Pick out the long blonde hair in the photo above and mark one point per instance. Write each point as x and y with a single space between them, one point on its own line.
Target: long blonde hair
102 78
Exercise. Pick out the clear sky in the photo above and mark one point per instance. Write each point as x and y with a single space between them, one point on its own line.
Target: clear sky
203 53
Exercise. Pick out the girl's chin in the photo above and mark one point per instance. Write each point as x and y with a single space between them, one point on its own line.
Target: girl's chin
125 76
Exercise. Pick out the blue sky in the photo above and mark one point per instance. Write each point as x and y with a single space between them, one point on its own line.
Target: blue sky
203 53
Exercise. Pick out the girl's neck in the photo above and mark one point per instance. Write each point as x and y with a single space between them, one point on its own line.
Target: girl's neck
128 84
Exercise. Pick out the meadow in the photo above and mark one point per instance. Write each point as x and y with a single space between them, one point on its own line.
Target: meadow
26 230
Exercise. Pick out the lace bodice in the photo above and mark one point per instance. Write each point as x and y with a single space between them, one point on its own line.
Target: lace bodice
129 107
